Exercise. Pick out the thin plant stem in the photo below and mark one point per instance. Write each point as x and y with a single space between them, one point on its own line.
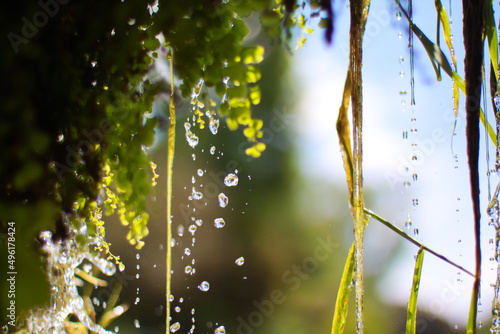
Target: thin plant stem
170 165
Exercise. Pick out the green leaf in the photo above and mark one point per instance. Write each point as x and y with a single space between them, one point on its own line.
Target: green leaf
411 318
340 315
491 34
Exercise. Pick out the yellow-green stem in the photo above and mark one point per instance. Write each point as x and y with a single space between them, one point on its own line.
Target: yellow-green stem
170 165
357 25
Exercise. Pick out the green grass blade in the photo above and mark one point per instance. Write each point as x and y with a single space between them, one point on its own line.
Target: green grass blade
471 328
341 304
438 57
411 318
491 34
414 241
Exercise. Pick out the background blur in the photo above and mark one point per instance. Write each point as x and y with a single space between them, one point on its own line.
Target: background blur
289 218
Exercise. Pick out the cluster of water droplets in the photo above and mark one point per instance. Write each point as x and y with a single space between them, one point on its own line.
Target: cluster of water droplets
62 260
408 135
199 197
494 214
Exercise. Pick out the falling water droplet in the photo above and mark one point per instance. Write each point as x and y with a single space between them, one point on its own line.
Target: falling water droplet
401 60
204 286
220 330
193 180
223 200
400 35
191 138
212 150
405 135
414 158
406 184
196 194
219 222
199 222
180 230
137 324
401 74
414 202
187 251
200 172
240 261
414 177
408 223
402 92
188 269
175 327
398 16
231 180
214 125
415 231
177 309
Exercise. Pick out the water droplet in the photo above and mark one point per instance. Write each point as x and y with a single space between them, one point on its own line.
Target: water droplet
193 180
200 172
414 158
496 100
177 309
191 138
400 35
415 231
212 150
223 200
402 92
187 251
398 16
401 60
240 261
196 194
213 125
414 202
219 222
406 184
192 228
171 298
405 135
231 180
175 327
204 286
180 230
401 74
408 222
137 323
199 222
414 177
220 330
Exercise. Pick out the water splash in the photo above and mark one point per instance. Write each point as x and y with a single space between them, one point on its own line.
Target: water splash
62 259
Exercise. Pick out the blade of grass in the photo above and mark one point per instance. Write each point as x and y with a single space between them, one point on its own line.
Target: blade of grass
411 318
170 166
436 55
414 241
491 34
340 314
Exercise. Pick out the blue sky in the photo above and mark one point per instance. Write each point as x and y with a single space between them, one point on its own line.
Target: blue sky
443 214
